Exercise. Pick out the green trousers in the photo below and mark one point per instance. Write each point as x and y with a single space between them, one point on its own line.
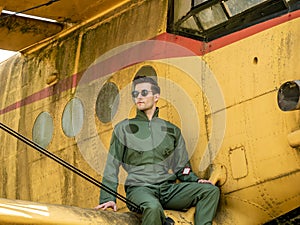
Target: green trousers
155 198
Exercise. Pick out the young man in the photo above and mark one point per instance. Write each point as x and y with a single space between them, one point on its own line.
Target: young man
153 153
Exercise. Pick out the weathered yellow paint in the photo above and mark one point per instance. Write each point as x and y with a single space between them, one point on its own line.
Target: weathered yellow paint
25 212
257 162
18 32
72 12
238 163
254 121
26 174
294 138
20 212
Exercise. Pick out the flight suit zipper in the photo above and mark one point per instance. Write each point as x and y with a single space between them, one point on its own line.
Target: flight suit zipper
153 144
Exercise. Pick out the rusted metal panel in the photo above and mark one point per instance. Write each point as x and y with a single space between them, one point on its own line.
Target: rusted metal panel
64 11
18 32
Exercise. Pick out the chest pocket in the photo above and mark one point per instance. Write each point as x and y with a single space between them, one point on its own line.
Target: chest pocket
166 148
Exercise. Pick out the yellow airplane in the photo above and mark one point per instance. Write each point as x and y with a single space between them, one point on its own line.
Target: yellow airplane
229 73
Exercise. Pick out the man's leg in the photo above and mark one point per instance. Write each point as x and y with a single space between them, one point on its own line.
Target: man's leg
184 195
147 199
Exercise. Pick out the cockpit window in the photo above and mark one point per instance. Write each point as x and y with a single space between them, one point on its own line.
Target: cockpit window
235 7
211 16
210 19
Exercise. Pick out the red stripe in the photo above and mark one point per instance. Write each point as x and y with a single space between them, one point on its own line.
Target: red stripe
201 48
150 52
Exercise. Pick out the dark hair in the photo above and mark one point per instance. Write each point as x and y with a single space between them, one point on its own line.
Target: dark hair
144 79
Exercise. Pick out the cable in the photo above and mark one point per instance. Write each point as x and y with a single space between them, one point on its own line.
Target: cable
34 7
69 166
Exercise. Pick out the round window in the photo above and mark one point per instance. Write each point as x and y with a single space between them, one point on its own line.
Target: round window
43 129
148 71
72 119
107 102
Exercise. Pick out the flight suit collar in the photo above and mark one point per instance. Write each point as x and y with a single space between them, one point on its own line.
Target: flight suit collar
141 115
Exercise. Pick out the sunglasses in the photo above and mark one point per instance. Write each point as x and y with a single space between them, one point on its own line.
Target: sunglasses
144 93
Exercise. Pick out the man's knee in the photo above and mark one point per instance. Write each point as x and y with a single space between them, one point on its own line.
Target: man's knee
208 191
152 205
215 191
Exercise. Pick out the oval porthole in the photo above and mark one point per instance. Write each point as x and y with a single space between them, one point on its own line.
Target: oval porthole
148 71
72 118
107 102
288 96
43 129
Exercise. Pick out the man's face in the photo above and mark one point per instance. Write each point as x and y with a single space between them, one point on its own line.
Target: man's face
148 102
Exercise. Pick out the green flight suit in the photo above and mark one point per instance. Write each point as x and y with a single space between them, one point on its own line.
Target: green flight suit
154 155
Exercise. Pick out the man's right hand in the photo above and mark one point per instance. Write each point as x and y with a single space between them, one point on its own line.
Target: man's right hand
106 205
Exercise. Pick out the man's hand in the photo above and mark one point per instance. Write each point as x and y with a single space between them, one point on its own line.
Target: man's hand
106 205
205 181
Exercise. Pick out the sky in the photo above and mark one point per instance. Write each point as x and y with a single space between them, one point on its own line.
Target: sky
4 54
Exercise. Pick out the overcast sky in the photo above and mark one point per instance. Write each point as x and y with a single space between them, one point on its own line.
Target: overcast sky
4 54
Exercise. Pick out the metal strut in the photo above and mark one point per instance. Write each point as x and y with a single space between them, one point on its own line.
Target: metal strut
69 166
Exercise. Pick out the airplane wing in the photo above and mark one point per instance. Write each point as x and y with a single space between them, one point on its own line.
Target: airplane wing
18 32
